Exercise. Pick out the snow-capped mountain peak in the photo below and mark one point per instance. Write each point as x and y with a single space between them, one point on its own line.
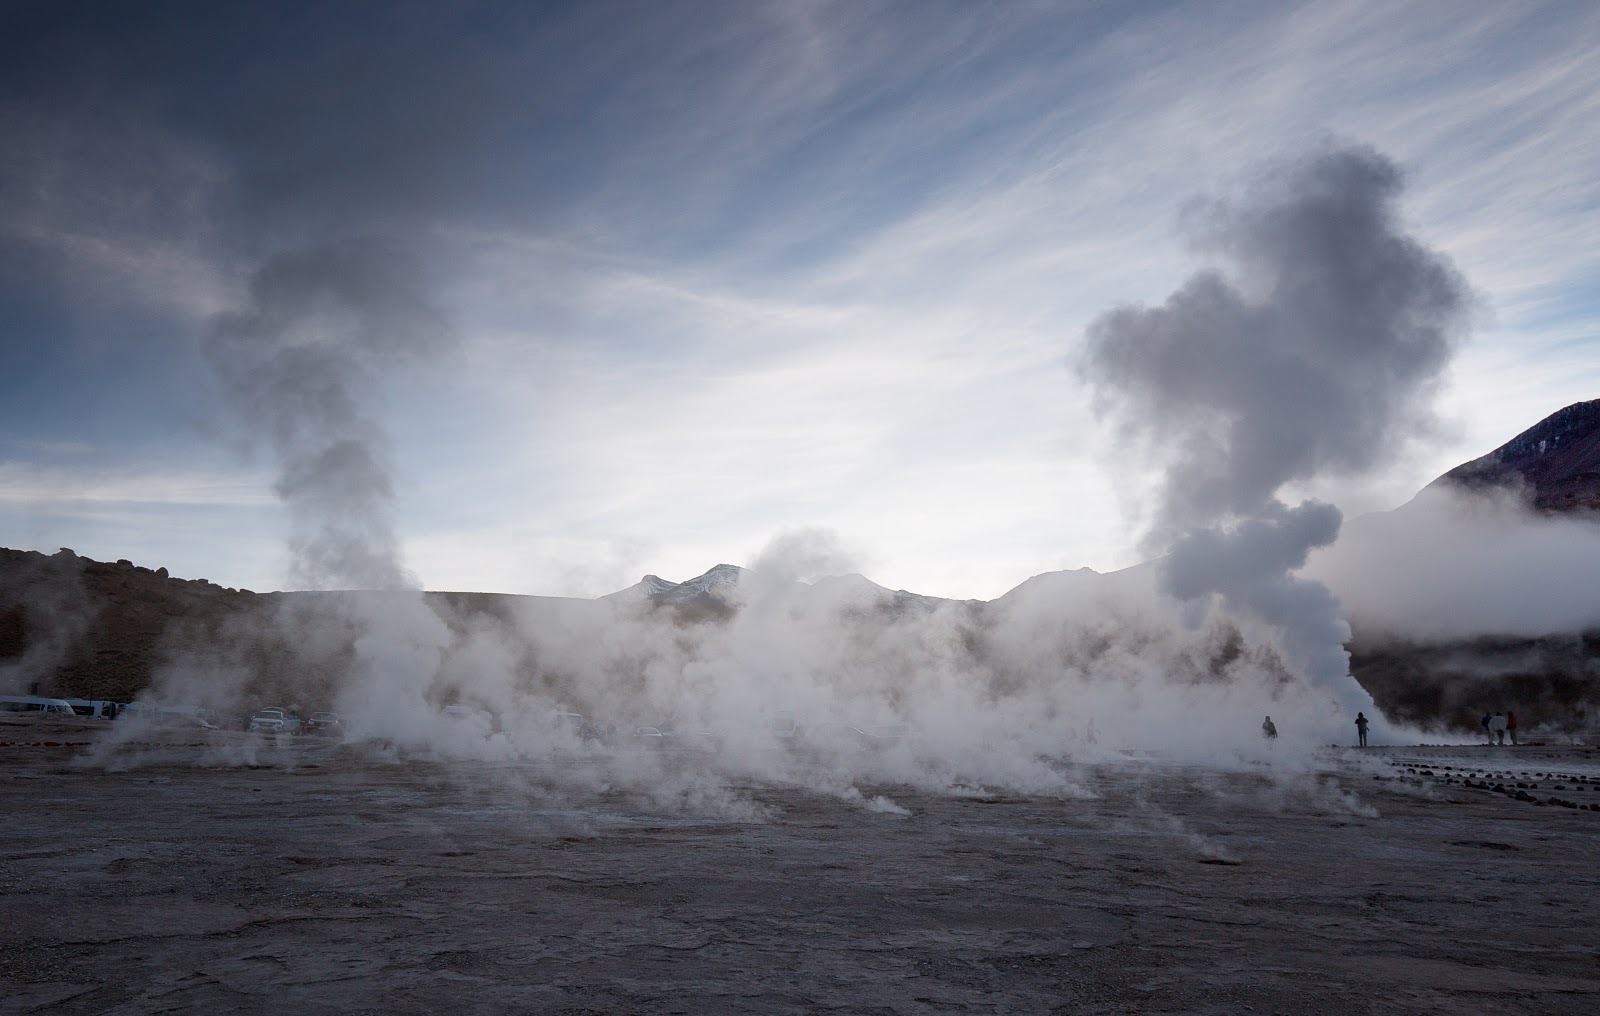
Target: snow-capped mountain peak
646 588
714 584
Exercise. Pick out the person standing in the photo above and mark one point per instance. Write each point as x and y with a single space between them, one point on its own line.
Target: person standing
1511 726
1486 731
1497 728
1268 728
1361 728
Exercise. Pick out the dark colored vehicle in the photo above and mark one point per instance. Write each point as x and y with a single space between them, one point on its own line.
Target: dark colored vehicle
324 725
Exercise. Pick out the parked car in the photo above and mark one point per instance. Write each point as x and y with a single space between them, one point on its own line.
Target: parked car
275 720
885 735
652 737
324 725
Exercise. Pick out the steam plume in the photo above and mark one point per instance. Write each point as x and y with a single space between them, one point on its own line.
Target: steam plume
1316 354
321 324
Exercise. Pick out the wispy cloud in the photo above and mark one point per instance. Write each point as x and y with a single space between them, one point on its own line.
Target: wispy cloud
61 488
824 264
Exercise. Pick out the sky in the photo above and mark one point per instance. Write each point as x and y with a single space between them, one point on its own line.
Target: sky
602 289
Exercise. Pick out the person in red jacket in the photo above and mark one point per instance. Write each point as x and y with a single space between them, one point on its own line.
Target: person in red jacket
1511 726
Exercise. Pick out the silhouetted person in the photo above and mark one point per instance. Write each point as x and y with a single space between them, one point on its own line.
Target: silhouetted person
1268 729
1486 731
1361 728
1511 726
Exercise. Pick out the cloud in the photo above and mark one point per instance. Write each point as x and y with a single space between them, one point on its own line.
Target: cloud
1315 355
626 217
23 483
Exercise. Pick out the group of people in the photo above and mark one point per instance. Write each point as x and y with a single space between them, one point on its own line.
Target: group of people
1270 730
1497 725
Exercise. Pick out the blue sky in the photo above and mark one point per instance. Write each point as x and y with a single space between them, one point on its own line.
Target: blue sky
703 273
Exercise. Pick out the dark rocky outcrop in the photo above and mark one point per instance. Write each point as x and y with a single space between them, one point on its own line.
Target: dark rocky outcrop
1553 679
1556 462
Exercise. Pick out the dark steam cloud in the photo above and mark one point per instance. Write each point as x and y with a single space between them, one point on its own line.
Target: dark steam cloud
311 161
321 327
1315 355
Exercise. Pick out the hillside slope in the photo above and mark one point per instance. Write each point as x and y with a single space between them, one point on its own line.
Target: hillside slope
1557 460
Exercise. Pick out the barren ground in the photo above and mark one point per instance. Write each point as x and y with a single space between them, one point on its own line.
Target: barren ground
325 880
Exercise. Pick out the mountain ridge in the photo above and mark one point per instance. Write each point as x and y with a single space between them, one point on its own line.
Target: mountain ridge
1556 462
95 629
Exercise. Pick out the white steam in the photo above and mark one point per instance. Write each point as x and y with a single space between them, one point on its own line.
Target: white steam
1313 360
1460 564
1315 355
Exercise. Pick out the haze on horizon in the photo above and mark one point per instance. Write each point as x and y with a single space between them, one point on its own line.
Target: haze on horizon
590 291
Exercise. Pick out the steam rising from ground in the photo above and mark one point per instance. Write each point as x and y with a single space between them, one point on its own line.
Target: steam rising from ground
838 686
1316 356
301 360
52 607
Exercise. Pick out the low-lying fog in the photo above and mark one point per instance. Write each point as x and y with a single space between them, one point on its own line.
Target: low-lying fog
1450 565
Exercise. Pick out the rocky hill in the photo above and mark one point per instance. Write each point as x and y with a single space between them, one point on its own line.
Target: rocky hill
72 625
726 586
1556 461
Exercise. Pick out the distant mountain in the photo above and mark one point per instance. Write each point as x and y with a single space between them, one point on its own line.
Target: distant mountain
712 588
716 589
646 588
1557 460
858 593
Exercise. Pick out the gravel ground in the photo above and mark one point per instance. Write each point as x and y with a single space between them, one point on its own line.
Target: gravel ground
320 879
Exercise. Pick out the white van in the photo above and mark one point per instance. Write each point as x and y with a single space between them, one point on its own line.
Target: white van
92 709
32 704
